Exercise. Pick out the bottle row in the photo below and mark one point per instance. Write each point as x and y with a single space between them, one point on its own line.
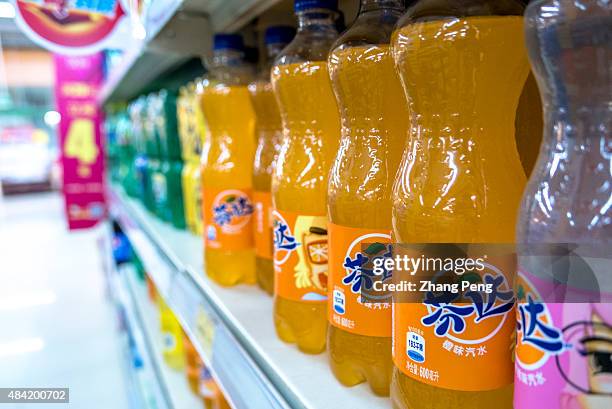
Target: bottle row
419 126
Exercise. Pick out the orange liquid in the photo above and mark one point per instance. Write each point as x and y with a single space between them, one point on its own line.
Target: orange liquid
311 129
228 164
461 179
269 134
374 129
529 125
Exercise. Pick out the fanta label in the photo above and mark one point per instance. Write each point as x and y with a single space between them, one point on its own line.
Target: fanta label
228 217
456 340
563 350
264 246
300 256
351 255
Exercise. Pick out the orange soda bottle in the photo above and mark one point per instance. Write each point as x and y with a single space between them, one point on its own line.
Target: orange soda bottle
460 181
227 166
269 132
374 117
311 129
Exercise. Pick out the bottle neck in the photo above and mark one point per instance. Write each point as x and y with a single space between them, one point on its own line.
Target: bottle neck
273 50
229 68
316 19
369 5
227 58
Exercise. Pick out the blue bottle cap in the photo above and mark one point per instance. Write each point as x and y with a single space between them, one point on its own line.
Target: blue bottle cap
228 42
301 5
279 35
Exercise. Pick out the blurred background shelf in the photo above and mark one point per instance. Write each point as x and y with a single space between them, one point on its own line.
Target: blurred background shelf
175 32
175 381
232 328
154 384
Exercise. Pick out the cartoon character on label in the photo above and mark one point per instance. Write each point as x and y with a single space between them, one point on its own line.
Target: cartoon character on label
569 364
303 251
312 265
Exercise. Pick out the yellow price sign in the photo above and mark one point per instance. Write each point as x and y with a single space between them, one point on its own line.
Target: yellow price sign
81 142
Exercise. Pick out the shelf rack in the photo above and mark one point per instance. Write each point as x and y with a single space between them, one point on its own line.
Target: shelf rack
151 382
176 31
232 328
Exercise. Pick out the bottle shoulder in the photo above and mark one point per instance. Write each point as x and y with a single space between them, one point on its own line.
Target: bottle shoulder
373 27
428 10
569 197
309 45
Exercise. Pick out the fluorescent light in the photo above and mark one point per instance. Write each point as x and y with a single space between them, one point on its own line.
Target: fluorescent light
7 10
52 118
26 300
21 346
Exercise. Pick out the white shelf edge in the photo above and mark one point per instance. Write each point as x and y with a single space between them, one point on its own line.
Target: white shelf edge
175 380
308 383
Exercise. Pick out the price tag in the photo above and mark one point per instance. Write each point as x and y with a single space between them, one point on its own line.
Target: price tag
204 331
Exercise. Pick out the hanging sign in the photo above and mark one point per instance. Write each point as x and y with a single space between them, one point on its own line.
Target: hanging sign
77 81
69 26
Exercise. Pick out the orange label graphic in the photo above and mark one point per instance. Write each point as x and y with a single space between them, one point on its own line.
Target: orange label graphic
264 247
440 340
351 254
228 217
300 256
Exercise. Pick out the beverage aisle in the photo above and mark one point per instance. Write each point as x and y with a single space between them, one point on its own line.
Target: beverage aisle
307 204
53 308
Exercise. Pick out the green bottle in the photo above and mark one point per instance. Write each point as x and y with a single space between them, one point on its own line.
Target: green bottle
155 181
172 163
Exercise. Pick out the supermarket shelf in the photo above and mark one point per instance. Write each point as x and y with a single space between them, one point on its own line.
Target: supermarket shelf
232 328
132 363
146 382
175 381
177 30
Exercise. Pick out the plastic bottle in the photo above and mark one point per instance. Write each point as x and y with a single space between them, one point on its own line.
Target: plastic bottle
172 337
311 129
227 168
155 181
193 365
374 117
564 313
140 159
185 130
269 135
200 137
170 201
529 125
463 67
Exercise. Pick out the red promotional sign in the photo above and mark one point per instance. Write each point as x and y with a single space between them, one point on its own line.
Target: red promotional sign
69 26
77 81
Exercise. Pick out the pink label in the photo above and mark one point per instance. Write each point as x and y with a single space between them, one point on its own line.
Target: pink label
77 81
563 351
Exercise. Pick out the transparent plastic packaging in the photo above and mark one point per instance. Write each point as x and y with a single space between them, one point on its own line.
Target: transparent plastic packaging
463 66
374 116
269 132
311 129
567 206
227 166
